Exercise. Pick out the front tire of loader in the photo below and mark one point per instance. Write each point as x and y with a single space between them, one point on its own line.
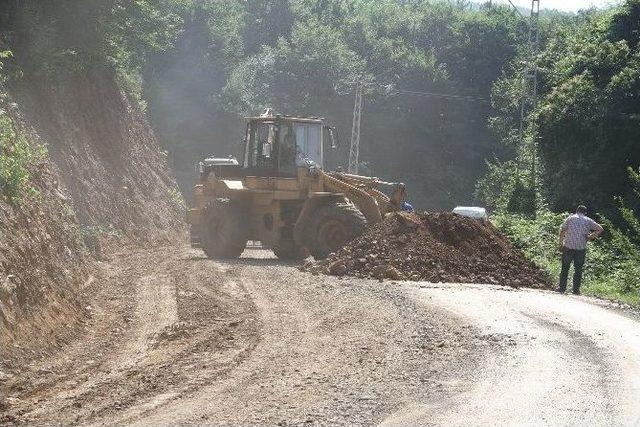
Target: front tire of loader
332 226
224 232
287 250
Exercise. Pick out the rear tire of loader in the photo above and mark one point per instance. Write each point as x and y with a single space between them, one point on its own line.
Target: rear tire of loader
332 226
224 232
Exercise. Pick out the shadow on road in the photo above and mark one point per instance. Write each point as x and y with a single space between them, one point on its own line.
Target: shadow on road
255 257
263 262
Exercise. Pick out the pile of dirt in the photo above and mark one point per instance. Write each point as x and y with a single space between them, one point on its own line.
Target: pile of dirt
433 247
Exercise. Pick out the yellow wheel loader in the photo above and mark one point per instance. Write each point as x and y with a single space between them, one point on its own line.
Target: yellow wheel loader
280 194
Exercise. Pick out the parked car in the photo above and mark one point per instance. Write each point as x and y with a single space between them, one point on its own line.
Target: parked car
471 212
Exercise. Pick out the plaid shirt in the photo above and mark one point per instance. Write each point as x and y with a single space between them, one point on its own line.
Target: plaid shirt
577 227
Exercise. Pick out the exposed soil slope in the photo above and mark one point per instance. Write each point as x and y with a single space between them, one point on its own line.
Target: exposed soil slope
42 262
105 175
105 152
434 247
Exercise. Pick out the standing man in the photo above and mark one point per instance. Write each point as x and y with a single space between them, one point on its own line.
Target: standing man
576 230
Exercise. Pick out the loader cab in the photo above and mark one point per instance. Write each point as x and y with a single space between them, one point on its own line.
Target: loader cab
278 145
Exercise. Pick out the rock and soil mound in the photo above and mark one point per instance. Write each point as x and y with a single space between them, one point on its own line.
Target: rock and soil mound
433 247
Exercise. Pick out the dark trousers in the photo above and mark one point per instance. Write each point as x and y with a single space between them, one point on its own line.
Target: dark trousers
576 256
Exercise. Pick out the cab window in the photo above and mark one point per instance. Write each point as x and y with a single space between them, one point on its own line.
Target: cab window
260 149
299 143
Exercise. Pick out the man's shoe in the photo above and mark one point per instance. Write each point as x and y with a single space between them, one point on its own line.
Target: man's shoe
560 291
576 292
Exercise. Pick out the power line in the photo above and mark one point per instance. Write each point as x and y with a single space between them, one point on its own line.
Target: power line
442 95
388 90
354 148
516 9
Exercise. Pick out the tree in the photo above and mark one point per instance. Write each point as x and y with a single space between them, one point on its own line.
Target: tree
587 124
61 36
294 73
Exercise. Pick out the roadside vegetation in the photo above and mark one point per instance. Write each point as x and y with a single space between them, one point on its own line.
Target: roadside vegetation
613 262
17 156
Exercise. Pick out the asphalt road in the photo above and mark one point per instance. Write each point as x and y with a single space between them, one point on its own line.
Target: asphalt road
570 361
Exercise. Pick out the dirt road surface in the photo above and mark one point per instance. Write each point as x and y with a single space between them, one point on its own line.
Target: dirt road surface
177 339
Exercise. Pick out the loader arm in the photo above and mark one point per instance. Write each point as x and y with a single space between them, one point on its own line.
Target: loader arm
386 204
366 202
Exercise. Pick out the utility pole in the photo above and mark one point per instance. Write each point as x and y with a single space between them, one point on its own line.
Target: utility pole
354 150
530 78
529 99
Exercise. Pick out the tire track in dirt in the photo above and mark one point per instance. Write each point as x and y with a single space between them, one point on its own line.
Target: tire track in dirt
330 352
177 339
255 342
156 309
161 327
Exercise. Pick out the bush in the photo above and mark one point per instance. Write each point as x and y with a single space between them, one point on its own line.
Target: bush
176 197
506 187
624 244
16 155
536 238
16 158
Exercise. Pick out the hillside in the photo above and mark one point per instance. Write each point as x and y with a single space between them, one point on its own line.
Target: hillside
102 179
42 259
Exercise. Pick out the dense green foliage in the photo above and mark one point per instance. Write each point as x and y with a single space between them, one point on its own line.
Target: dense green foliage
55 39
624 245
198 63
16 155
17 158
587 133
587 124
589 121
605 273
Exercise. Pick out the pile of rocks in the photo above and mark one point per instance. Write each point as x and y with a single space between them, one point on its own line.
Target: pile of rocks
433 247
